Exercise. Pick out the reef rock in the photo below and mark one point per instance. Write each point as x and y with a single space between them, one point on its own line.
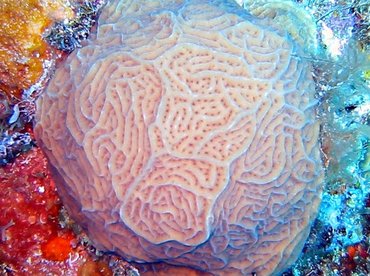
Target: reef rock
185 132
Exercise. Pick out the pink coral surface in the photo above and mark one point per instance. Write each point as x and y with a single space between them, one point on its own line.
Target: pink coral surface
184 132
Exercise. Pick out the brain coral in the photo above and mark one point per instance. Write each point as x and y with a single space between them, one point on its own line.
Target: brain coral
184 132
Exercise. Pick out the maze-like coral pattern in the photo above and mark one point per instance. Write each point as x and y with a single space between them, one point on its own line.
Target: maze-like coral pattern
184 131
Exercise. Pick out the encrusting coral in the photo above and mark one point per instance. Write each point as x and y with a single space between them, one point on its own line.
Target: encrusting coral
185 132
23 52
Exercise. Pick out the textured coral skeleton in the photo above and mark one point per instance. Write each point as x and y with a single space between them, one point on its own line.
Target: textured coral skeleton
185 132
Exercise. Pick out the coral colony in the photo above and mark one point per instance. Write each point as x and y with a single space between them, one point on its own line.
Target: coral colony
186 137
200 134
